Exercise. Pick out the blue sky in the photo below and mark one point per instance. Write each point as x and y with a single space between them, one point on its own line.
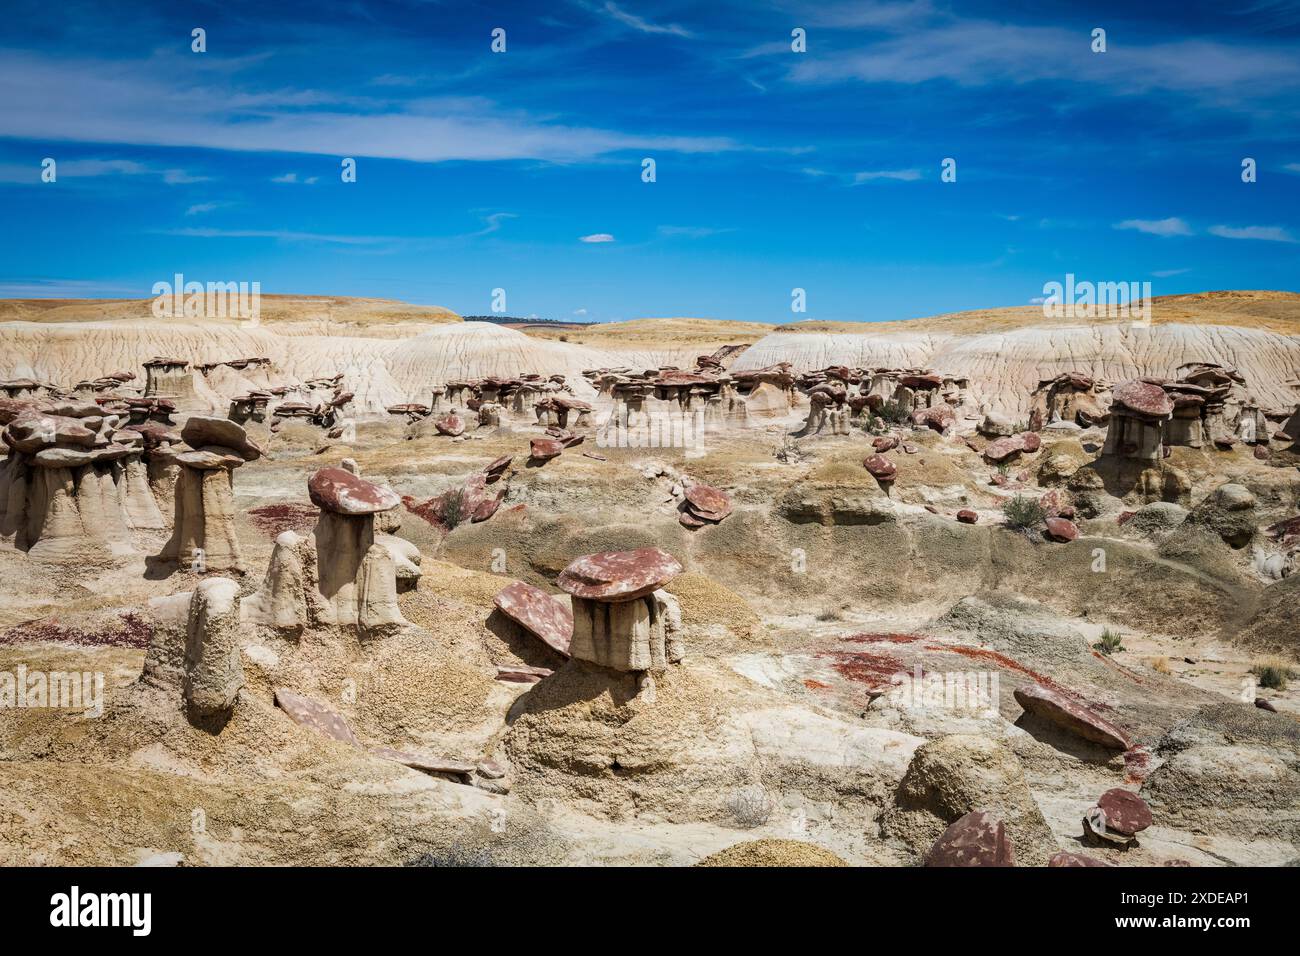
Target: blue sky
775 170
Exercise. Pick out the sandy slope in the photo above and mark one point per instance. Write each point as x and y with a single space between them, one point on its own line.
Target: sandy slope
1004 366
381 371
390 352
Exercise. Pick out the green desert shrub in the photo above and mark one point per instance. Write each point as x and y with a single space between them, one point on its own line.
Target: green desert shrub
1023 512
1273 673
1110 642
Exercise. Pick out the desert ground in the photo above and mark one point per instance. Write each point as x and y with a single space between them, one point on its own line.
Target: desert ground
364 583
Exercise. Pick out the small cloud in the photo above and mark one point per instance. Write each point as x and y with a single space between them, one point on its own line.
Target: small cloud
1265 233
1292 168
1167 273
1008 218
492 222
579 311
1173 226
199 208
691 232
179 177
597 237
900 175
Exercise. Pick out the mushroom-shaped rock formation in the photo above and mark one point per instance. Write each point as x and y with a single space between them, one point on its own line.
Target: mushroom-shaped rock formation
621 618
73 485
345 574
203 529
1138 414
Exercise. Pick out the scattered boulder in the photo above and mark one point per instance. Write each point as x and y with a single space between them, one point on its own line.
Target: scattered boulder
966 516
1061 529
1069 714
1124 812
977 839
538 613
881 468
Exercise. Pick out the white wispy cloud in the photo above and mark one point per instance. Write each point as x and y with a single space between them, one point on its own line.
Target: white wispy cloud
597 237
691 232
96 168
977 53
1292 167
146 103
640 23
1173 226
900 175
1168 273
1264 233
492 222
293 178
282 235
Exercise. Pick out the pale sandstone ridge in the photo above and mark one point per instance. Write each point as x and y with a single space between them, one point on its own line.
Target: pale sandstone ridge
1005 368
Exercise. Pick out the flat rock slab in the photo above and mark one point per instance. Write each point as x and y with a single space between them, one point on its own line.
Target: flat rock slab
317 716
344 493
1126 812
1061 529
881 468
617 576
200 430
976 839
539 614
1143 397
452 425
544 449
429 763
708 502
522 674
1072 716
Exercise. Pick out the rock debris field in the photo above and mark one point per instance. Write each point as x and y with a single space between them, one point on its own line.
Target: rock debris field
366 584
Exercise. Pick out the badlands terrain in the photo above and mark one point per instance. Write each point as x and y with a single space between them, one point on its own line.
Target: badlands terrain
361 583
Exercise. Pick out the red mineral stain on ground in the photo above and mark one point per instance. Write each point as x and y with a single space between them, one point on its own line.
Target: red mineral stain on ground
1003 661
274 520
1137 764
130 630
1119 667
865 667
815 684
882 638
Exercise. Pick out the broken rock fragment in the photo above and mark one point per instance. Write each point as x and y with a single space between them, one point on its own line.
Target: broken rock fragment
1055 707
976 839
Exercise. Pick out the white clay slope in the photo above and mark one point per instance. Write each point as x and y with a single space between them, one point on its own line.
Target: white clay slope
381 372
1004 367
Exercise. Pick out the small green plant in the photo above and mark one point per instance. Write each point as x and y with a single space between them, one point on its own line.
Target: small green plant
1023 512
894 413
453 508
1004 468
1273 673
1110 642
